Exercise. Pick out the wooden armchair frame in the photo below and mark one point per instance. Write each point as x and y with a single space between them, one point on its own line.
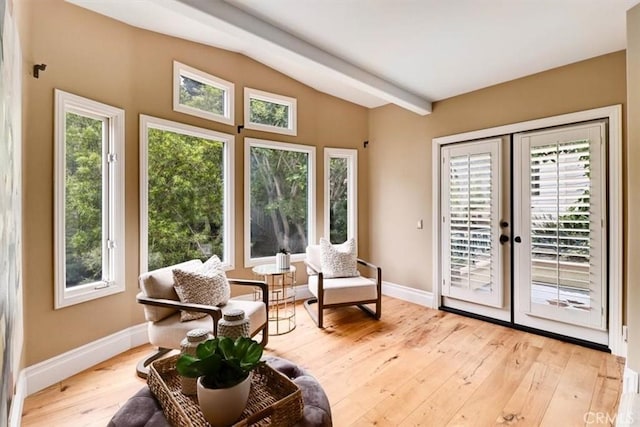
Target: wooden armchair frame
317 315
214 312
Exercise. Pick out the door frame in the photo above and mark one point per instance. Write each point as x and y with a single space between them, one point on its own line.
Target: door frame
614 188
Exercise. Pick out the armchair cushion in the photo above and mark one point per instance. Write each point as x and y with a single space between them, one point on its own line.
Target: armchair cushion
199 288
159 284
338 260
314 258
168 332
345 289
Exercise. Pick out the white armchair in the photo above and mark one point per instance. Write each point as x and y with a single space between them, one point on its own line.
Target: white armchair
162 311
341 291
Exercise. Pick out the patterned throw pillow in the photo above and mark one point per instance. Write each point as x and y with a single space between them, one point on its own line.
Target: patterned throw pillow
208 285
338 260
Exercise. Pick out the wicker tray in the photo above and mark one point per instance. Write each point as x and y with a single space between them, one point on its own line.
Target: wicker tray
273 401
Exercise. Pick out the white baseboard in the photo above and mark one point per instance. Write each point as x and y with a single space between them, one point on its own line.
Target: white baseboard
302 292
629 407
405 293
630 381
15 412
58 368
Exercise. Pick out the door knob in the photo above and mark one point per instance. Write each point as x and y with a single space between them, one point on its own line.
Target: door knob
517 239
504 224
504 239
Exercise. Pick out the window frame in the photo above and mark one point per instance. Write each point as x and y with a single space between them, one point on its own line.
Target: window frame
147 122
351 155
292 103
180 69
310 150
113 238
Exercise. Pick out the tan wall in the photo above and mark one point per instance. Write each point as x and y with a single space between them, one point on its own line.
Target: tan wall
633 196
102 59
400 151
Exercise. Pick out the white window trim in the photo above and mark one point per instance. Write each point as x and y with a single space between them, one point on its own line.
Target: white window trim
274 98
311 208
147 122
614 189
351 155
207 79
67 102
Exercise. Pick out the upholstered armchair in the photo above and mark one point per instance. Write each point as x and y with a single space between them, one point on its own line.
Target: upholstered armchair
357 290
162 311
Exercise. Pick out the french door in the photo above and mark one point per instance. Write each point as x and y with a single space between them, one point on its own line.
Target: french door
554 241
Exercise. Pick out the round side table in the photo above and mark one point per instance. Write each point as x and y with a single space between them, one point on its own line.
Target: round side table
282 298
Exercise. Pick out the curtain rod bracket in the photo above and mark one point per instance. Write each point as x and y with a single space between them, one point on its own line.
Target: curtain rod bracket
37 68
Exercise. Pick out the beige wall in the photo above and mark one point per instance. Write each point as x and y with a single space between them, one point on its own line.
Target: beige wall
102 59
633 196
400 151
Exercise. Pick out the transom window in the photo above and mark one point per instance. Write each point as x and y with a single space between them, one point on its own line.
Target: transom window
279 199
200 94
186 193
89 199
269 112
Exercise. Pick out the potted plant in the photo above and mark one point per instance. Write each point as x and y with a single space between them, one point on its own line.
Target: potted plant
223 368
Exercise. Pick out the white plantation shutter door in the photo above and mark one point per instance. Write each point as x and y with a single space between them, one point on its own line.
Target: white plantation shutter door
562 255
471 205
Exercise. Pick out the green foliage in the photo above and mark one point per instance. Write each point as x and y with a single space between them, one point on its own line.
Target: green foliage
279 197
269 113
83 199
186 198
221 361
338 215
201 96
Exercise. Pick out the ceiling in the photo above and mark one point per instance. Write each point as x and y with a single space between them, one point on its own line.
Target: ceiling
407 52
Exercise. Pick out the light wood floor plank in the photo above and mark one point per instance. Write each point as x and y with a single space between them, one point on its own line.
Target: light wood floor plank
416 366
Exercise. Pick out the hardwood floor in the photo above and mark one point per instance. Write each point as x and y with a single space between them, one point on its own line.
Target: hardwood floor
416 366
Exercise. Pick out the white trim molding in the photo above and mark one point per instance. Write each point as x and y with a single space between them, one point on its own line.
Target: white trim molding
615 196
271 98
112 207
182 70
17 402
350 155
228 238
405 293
58 368
310 151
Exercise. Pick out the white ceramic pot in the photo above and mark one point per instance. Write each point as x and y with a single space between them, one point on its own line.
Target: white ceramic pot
282 261
223 406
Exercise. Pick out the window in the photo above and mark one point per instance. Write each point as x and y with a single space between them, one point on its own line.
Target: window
89 199
186 194
269 112
279 199
201 94
340 194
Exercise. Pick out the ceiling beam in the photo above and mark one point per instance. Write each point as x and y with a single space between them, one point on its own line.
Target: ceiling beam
263 38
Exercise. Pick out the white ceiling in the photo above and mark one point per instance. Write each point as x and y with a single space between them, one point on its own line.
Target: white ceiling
406 52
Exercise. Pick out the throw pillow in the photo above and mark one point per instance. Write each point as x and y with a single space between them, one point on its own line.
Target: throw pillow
212 265
208 285
213 268
338 260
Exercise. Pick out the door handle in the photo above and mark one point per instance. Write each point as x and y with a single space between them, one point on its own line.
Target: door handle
504 239
517 239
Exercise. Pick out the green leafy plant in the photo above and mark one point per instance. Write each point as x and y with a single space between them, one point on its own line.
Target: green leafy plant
221 361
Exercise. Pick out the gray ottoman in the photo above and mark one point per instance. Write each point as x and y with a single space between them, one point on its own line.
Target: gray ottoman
143 410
